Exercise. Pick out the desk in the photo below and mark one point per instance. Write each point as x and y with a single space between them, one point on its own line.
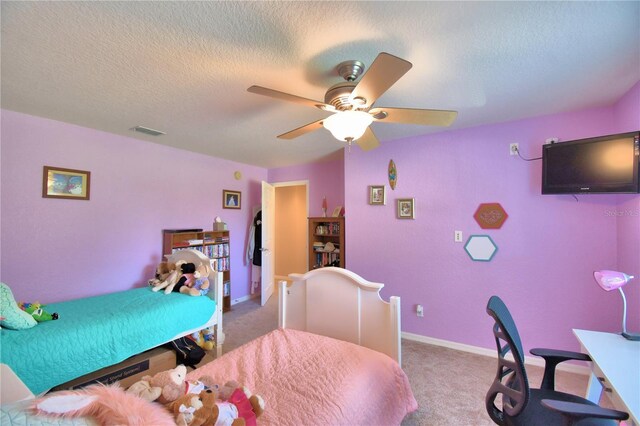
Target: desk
616 365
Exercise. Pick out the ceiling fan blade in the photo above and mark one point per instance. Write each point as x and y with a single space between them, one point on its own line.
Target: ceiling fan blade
425 117
259 90
302 130
385 70
368 141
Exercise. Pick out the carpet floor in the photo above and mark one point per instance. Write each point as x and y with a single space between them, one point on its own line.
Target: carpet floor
449 385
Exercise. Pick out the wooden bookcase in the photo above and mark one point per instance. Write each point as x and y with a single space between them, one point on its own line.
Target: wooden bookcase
323 230
214 244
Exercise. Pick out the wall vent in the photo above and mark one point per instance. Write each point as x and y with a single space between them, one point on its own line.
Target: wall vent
147 131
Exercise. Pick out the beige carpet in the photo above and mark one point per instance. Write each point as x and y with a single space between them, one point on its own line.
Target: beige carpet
449 385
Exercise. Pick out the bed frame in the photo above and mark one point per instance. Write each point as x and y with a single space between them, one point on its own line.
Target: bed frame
215 293
13 389
338 303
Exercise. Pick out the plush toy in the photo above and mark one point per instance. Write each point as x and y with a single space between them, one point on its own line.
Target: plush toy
237 406
13 317
184 409
171 279
37 312
108 405
198 283
162 273
187 278
171 385
205 338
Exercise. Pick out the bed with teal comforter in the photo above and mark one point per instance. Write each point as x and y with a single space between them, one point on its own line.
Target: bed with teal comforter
99 331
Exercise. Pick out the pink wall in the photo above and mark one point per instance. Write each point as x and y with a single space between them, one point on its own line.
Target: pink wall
61 249
326 179
627 114
548 247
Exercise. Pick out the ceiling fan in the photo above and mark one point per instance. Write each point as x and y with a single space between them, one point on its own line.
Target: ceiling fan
352 102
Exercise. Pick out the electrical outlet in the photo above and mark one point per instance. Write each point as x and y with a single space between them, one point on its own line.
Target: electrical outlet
457 236
419 310
513 149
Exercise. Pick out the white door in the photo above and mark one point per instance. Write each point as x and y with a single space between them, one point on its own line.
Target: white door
268 230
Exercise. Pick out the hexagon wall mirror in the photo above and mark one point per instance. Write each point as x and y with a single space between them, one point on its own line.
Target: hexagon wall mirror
480 248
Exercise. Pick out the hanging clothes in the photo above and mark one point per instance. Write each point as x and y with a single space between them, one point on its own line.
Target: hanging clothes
254 255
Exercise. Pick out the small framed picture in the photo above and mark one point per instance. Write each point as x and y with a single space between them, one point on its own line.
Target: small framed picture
377 195
405 208
65 183
231 199
337 211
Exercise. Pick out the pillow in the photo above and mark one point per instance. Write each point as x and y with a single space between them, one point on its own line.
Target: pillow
12 316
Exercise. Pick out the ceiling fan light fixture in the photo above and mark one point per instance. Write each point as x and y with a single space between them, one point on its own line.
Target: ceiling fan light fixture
347 125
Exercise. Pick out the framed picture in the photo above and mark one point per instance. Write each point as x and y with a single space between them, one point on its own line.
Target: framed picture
377 195
231 199
405 208
336 211
65 183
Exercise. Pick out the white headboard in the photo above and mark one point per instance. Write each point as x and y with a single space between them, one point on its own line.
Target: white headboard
338 303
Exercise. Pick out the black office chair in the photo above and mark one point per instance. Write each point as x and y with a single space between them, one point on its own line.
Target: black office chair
522 405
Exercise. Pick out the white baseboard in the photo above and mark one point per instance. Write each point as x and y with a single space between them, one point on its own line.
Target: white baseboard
244 298
572 368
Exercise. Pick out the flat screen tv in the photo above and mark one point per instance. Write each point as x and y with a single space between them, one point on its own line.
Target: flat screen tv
604 164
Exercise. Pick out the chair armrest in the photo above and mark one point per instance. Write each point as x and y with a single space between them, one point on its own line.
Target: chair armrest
574 411
553 357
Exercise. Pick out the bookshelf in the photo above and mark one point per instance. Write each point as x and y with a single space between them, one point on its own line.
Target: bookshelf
323 230
214 245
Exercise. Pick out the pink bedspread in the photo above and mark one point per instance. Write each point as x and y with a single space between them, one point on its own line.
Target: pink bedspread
307 379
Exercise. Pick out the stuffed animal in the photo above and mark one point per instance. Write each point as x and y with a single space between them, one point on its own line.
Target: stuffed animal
171 385
205 338
184 409
237 406
200 285
187 278
108 405
162 273
37 312
171 279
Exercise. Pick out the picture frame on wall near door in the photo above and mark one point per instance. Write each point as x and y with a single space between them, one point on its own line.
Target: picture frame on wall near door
231 199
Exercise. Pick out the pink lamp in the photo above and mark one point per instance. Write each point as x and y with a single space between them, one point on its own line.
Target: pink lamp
611 280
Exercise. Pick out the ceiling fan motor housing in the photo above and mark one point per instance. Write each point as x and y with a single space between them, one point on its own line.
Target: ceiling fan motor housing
338 96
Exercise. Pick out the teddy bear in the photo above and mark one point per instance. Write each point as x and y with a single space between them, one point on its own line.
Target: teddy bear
197 284
171 385
170 280
237 406
214 408
184 409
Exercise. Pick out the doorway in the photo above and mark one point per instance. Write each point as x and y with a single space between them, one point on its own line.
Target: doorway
291 235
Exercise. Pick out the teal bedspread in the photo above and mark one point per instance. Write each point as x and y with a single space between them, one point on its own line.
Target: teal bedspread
97 332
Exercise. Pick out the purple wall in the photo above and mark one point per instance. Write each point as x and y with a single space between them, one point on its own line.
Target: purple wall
627 115
55 250
548 247
326 179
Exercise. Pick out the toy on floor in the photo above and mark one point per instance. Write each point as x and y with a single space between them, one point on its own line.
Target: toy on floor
37 312
205 338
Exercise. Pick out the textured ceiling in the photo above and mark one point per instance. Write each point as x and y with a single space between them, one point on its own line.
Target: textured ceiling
184 67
